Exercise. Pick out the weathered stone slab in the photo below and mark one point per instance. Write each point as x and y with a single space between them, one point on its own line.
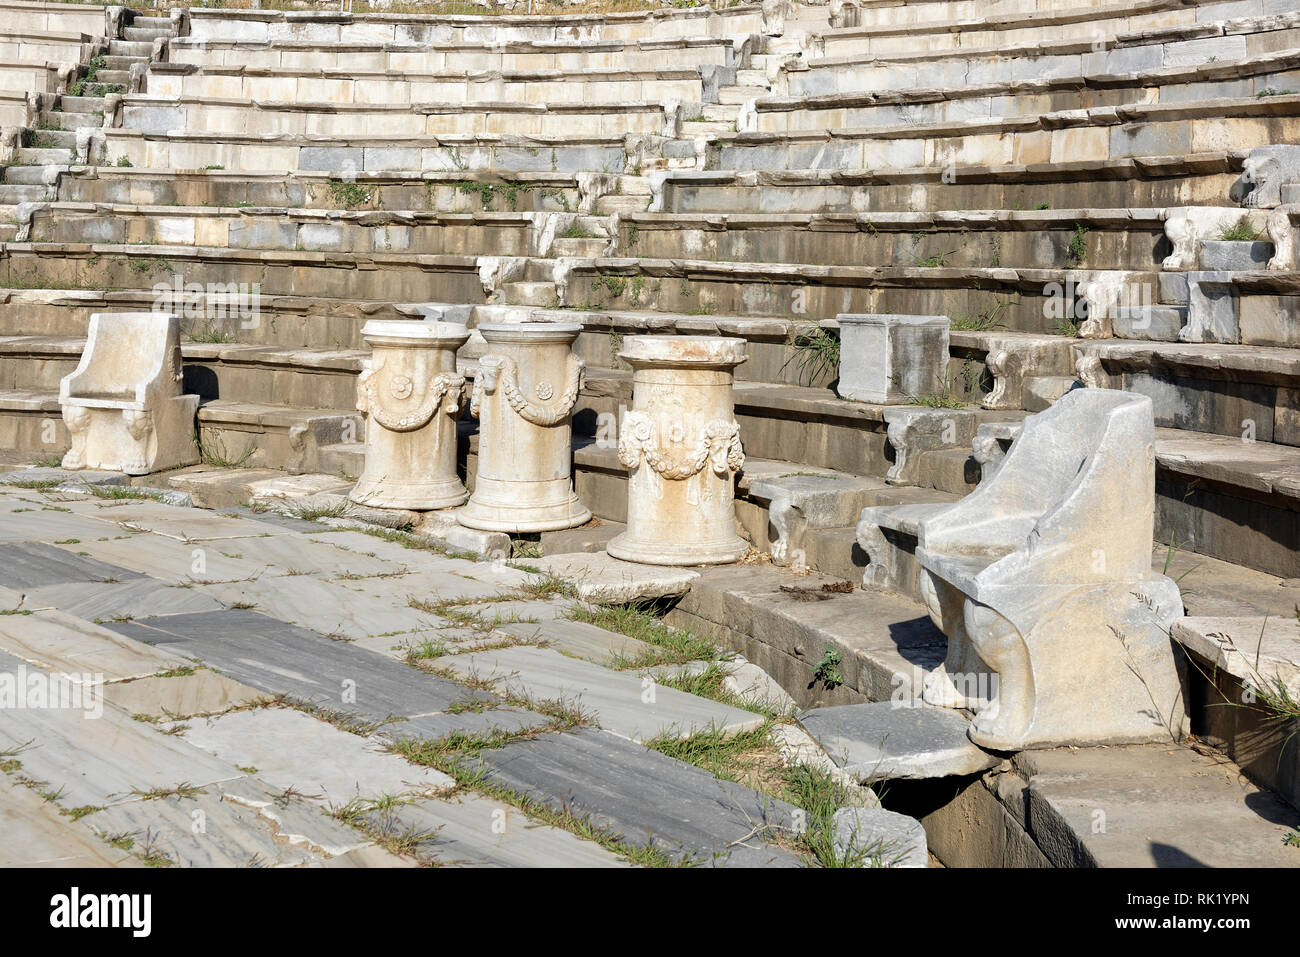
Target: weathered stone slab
61 475
32 564
204 830
413 558
169 560
291 749
885 739
278 658
56 641
581 640
348 609
599 578
184 524
645 797
471 831
1262 651
884 838
297 554
36 835
1162 806
626 704
271 517
47 525
431 727
203 692
106 760
136 598
370 856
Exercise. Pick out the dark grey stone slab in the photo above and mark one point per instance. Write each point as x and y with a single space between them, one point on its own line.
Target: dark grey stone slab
433 726
886 739
274 518
466 830
645 797
32 564
284 659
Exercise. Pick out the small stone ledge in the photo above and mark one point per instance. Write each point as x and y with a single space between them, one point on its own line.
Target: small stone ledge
1262 652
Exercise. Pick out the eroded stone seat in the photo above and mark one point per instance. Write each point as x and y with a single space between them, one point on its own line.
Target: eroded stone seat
1041 579
123 404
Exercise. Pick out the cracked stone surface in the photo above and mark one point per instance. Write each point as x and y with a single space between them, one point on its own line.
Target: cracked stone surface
188 727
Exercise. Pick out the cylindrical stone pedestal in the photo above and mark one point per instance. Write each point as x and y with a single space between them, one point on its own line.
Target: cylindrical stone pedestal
524 394
410 393
681 444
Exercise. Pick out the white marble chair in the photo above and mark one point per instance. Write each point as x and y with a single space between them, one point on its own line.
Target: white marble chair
1041 579
123 404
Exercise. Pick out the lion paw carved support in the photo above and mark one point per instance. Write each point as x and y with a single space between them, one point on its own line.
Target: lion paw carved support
1041 578
524 396
410 395
681 445
77 419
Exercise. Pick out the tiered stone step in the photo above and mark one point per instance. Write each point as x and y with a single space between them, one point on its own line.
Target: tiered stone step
313 230
451 192
1025 29
346 85
1087 237
442 56
290 26
298 119
1147 181
351 151
1097 133
408 277
1213 41
1253 76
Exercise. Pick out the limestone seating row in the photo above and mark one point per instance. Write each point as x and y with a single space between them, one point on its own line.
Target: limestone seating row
321 230
1221 389
39 49
53 17
350 86
1113 132
570 56
359 152
1202 179
449 192
21 78
288 119
1022 298
777 421
1224 389
1262 307
1098 23
386 276
864 13
1115 238
1173 47
1260 76
278 26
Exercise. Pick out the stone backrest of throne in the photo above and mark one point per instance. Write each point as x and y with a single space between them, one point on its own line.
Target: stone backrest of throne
130 361
1070 506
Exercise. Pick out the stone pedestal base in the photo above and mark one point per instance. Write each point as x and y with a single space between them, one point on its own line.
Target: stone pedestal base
891 359
524 395
681 445
410 393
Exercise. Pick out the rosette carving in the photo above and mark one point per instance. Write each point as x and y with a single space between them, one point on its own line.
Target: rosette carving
500 372
373 389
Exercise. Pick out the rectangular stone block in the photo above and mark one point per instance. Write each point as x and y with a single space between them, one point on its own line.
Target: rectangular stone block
892 359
